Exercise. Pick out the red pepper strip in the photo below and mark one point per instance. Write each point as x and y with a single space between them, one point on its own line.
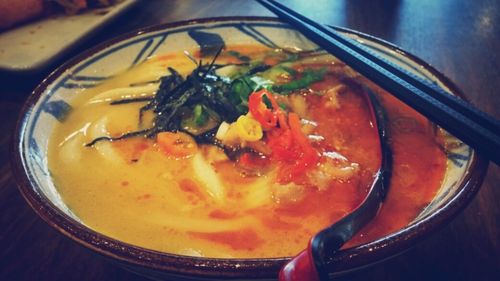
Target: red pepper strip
282 120
288 144
285 173
281 143
309 156
294 122
271 98
308 159
266 117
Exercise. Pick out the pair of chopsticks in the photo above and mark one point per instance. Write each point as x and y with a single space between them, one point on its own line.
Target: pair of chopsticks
472 126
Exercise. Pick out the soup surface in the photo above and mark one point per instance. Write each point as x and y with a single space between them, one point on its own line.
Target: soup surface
245 157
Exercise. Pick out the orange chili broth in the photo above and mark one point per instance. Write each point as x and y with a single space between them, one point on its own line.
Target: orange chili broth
418 167
419 164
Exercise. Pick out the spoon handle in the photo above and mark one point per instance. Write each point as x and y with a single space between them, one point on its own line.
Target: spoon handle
301 267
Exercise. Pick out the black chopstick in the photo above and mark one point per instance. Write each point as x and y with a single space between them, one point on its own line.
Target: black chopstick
472 126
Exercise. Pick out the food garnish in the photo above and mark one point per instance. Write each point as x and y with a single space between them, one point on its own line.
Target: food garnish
230 113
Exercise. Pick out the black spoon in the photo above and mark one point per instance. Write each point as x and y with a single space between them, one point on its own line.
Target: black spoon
312 264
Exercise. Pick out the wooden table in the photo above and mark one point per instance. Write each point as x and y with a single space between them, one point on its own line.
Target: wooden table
461 38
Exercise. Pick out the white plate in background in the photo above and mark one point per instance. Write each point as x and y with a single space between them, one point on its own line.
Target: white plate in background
32 46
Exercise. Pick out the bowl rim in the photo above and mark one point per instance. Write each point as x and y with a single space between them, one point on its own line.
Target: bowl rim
346 260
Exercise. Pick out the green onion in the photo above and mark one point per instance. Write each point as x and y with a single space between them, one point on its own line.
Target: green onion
200 117
283 106
241 89
290 70
309 76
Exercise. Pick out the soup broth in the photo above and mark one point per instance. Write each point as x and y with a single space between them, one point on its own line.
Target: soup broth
300 154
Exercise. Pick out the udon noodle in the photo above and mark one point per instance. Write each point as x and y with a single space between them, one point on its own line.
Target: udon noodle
268 149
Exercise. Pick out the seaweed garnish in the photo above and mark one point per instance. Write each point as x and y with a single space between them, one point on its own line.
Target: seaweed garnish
224 98
124 136
175 93
131 100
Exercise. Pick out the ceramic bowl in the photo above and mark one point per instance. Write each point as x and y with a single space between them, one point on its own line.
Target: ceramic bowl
49 102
